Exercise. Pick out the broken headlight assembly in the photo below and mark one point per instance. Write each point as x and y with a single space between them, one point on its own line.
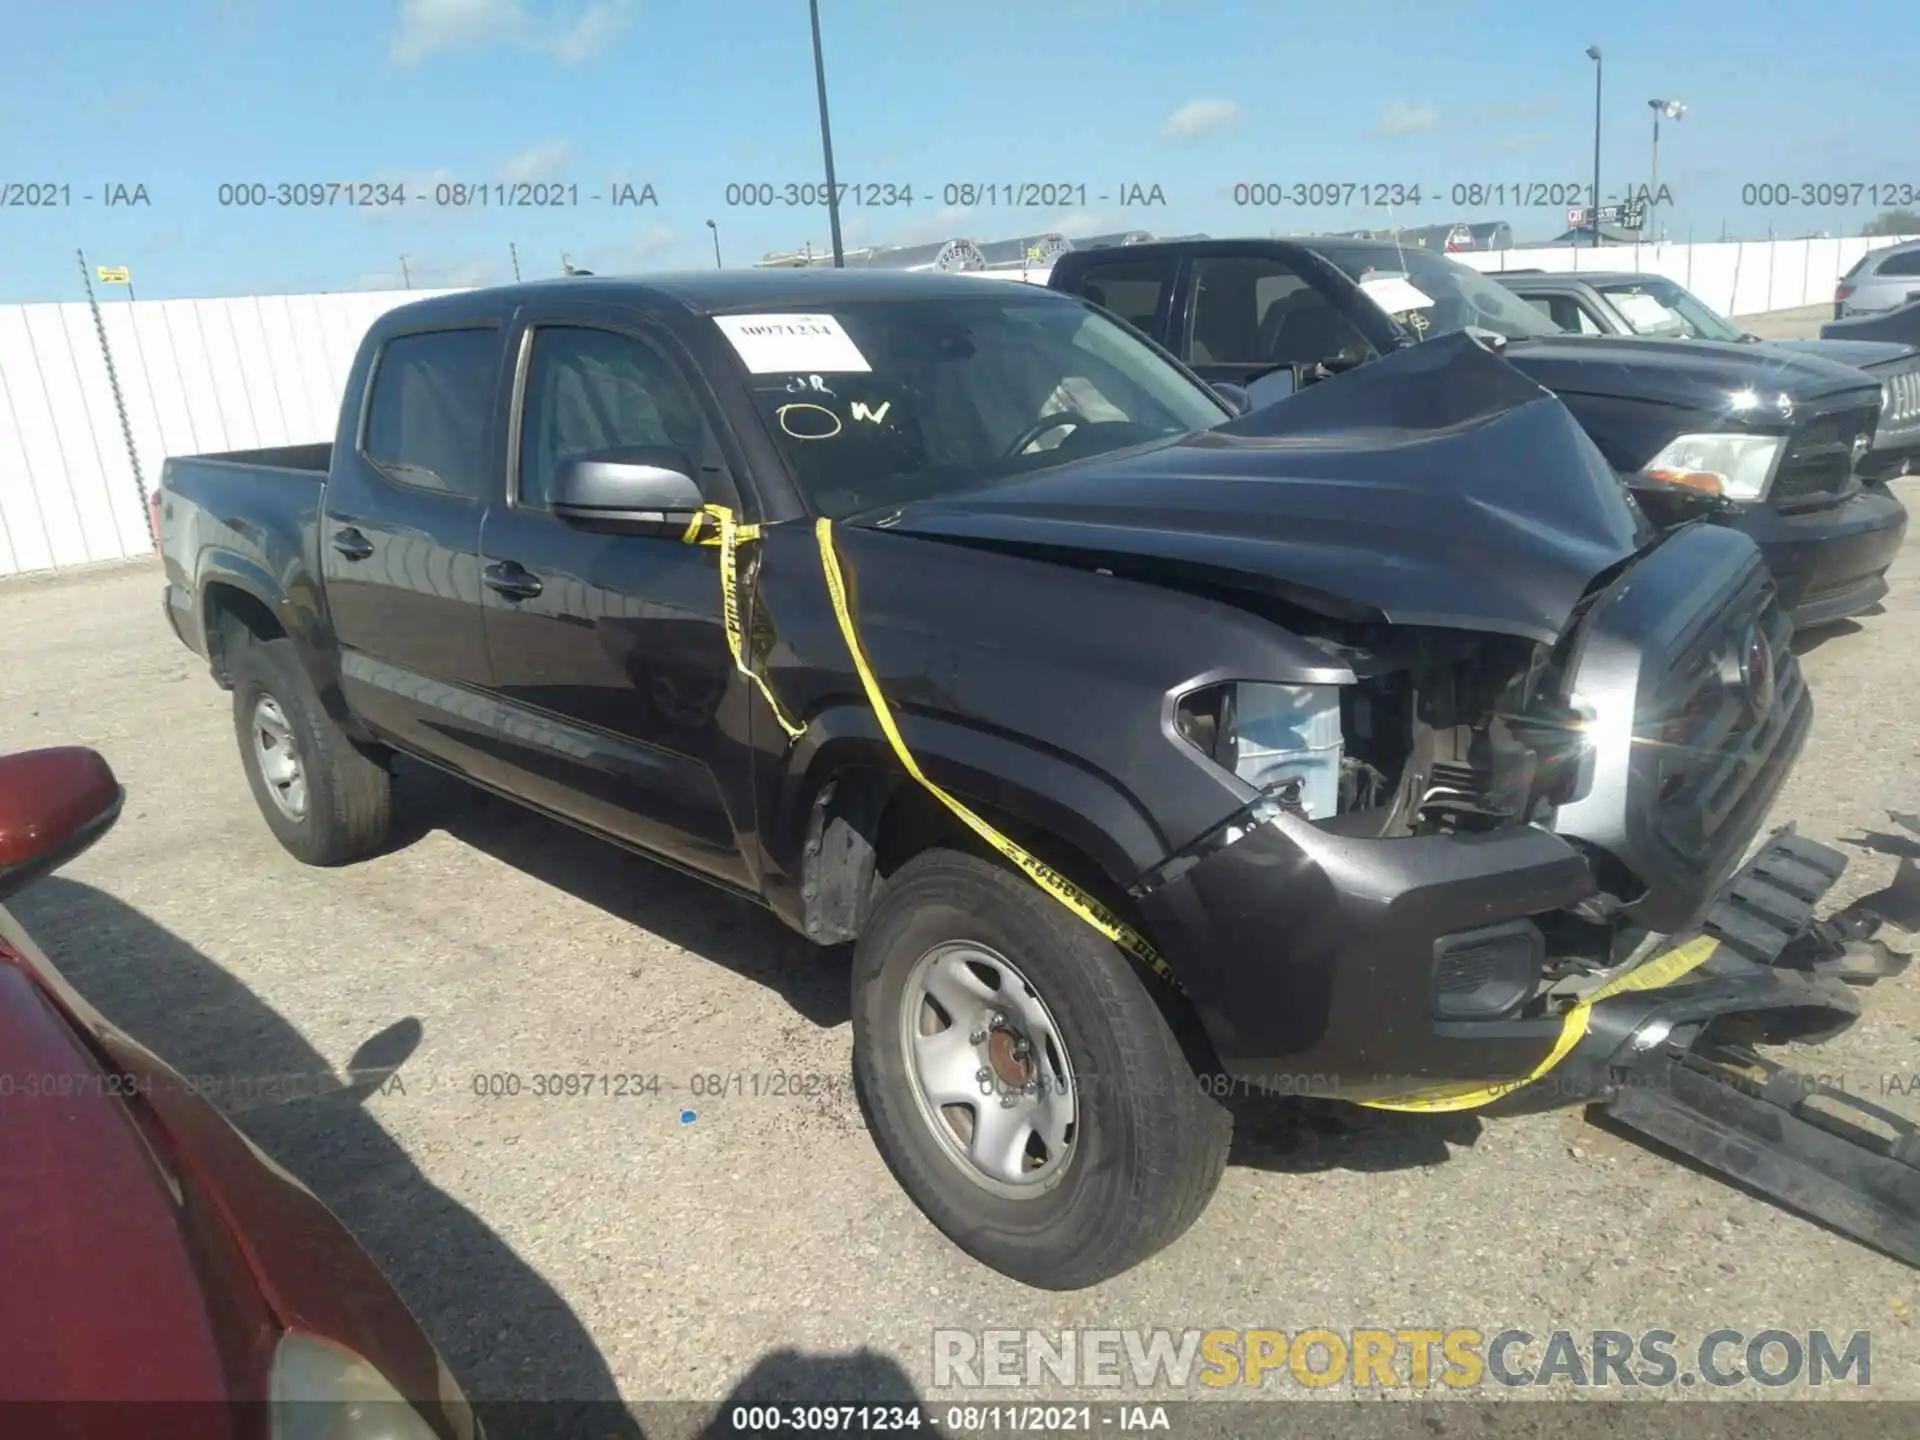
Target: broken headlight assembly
1283 740
1737 466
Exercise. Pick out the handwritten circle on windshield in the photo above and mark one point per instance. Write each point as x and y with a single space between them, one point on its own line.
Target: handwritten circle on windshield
805 421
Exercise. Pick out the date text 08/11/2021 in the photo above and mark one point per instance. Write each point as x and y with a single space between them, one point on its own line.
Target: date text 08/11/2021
955 194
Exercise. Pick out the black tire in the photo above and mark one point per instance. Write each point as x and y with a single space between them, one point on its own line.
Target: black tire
348 795
1148 1147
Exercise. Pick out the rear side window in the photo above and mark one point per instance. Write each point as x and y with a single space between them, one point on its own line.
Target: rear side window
1907 262
1132 289
428 411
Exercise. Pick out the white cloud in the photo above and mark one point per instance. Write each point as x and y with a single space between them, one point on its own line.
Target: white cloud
594 29
538 162
1521 142
1199 118
428 27
1404 119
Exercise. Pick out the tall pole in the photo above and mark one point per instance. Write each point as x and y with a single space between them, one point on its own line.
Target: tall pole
1654 190
826 140
406 275
716 245
1593 54
119 401
514 251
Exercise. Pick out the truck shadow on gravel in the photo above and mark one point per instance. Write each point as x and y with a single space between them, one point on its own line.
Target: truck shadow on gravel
1275 1133
1805 642
507 1333
698 917
1301 1136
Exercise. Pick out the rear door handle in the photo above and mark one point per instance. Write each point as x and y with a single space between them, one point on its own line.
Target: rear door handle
352 544
512 580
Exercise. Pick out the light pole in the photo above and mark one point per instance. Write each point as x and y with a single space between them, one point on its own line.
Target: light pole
1673 110
1593 54
716 244
826 138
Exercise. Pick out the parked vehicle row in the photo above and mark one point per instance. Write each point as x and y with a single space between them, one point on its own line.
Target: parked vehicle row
1767 440
1623 302
1383 735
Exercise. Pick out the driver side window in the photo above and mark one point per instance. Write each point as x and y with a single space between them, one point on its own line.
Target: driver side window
1257 312
593 390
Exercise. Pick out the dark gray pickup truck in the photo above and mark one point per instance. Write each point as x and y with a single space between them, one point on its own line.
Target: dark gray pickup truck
1371 747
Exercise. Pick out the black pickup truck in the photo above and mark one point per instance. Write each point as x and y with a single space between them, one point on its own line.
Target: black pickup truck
1622 302
1371 746
1777 436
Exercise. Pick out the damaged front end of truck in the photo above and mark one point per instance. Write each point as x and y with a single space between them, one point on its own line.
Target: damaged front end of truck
1501 842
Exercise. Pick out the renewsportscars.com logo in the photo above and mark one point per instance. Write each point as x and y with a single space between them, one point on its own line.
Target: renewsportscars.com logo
1381 1357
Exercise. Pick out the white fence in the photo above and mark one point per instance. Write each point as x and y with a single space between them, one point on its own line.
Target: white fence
1735 277
200 375
195 375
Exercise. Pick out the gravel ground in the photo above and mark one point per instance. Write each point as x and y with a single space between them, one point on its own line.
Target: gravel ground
588 1247
1801 324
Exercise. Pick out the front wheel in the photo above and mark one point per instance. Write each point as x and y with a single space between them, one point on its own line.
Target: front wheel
1021 1083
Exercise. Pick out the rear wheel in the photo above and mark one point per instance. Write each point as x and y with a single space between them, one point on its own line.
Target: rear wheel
324 800
1021 1082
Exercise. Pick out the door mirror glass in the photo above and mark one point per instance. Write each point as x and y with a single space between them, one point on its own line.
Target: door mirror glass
645 487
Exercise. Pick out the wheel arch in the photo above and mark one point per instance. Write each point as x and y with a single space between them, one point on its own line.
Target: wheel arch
240 599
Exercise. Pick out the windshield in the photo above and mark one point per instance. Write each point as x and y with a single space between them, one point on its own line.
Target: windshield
1432 295
1654 305
879 404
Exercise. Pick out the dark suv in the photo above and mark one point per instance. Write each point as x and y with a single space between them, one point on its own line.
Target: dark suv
1622 302
1772 438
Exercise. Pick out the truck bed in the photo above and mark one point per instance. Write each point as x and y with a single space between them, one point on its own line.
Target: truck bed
236 517
314 457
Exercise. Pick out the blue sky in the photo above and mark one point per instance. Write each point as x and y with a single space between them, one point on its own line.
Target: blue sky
1194 96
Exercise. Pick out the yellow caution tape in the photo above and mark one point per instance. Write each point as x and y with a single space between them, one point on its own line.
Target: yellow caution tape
1656 974
728 534
1042 874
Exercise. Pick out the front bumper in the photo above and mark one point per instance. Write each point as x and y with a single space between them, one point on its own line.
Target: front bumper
1831 562
1312 959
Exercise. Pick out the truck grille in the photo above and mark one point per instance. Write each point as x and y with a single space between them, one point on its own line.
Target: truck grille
1699 708
1818 465
1722 713
1900 397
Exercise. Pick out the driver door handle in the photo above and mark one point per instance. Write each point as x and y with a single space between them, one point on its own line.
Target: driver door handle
352 544
512 580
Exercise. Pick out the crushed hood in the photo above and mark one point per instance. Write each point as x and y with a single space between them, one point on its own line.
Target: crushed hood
1436 486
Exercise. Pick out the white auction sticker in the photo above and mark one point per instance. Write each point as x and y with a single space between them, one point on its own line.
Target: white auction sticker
1643 311
783 344
1395 294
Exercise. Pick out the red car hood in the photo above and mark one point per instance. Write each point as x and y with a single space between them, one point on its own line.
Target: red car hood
149 1249
103 1298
